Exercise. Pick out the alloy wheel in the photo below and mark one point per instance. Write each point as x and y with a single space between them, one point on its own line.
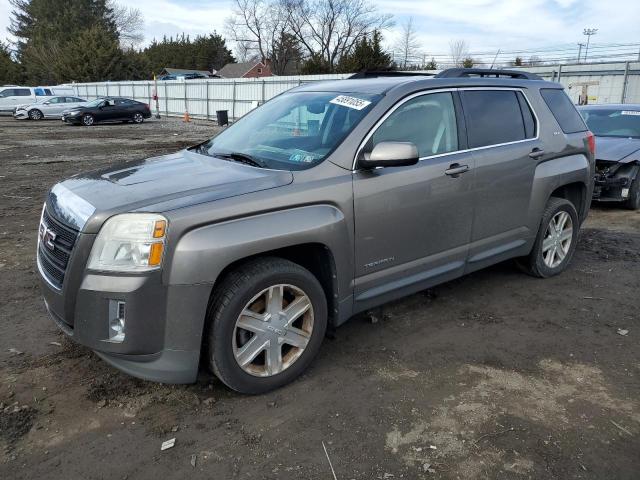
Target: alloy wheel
87 120
273 330
35 114
557 239
138 118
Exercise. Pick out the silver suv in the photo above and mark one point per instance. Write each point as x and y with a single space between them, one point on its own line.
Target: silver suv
329 200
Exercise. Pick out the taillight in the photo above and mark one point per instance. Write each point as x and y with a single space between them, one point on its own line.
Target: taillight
591 140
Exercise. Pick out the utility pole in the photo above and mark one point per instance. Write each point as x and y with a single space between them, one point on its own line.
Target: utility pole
588 32
580 45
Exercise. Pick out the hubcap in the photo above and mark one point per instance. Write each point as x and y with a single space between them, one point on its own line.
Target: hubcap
557 239
273 330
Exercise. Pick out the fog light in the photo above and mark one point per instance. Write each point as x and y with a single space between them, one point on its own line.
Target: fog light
116 320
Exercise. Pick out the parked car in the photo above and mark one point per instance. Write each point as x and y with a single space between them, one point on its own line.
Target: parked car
328 200
109 109
12 96
617 129
47 108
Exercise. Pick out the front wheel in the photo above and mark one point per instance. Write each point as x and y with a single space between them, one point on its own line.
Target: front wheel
87 120
633 202
556 240
266 323
35 114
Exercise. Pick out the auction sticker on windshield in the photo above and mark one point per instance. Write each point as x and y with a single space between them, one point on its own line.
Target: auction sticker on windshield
350 102
630 112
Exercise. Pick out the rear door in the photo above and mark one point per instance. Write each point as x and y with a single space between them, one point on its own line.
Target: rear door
413 224
502 132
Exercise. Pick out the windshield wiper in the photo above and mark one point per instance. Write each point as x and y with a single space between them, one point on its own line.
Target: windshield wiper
241 158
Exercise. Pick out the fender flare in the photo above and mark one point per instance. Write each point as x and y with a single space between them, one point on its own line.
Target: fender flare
203 253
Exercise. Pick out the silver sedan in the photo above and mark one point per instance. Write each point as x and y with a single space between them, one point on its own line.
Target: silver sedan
48 107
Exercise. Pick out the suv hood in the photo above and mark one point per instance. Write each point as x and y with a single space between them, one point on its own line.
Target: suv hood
157 184
617 149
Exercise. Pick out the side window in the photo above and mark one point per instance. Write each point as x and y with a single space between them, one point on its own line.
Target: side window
7 92
566 114
56 100
428 121
527 115
493 117
22 92
47 91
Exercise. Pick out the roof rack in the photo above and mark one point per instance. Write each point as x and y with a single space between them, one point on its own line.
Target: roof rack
486 72
388 73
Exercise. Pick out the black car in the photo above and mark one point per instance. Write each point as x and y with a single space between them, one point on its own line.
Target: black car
108 109
617 131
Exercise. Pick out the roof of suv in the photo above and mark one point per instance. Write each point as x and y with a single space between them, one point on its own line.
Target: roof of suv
383 83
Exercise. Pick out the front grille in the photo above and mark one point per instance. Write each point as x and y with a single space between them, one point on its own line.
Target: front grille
54 262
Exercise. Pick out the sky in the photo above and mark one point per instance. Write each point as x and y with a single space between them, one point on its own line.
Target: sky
485 25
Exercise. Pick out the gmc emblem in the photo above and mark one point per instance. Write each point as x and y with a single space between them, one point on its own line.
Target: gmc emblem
47 236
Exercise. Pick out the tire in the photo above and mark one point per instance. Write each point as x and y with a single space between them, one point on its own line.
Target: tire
35 114
138 117
88 120
241 290
537 262
633 202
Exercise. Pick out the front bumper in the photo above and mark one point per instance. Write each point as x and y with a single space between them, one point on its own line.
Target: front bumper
163 324
20 114
613 181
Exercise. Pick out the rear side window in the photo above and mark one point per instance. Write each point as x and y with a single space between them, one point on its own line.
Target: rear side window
566 114
493 117
22 92
527 116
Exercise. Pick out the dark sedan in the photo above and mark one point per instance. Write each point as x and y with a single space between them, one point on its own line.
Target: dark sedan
109 109
617 131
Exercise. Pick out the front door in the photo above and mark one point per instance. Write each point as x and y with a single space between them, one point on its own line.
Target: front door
413 224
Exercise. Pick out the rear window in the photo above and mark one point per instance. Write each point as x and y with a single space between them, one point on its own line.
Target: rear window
565 112
493 117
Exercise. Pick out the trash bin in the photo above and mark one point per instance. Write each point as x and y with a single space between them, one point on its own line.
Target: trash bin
223 117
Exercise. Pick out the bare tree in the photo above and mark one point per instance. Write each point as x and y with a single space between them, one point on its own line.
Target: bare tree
534 60
329 29
260 29
129 23
459 51
408 44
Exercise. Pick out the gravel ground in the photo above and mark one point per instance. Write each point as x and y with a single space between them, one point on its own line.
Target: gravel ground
495 375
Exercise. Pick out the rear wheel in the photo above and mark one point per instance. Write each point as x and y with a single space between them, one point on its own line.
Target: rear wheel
633 202
35 114
87 120
556 241
138 117
266 324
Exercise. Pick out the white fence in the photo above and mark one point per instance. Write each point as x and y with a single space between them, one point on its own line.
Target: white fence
602 83
201 98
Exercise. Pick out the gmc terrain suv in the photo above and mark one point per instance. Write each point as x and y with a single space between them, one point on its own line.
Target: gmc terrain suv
330 199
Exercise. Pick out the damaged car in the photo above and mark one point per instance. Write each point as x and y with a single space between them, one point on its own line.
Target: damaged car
617 131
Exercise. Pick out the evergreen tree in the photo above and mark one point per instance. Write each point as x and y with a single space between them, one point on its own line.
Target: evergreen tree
10 70
207 52
367 55
45 28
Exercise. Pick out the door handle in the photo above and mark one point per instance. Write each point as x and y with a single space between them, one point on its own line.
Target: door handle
455 170
536 153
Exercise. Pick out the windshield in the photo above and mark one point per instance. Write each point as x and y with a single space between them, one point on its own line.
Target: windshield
612 122
293 131
94 103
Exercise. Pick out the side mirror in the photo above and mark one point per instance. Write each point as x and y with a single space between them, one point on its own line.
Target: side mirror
390 154
47 103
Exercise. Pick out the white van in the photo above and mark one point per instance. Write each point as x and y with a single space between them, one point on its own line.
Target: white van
12 96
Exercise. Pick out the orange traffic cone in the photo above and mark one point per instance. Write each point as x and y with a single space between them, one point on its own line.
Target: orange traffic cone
186 117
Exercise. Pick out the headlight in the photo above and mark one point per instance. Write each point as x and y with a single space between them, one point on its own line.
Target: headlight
131 242
72 113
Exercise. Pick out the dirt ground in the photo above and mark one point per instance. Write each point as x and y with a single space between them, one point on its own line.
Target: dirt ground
496 375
